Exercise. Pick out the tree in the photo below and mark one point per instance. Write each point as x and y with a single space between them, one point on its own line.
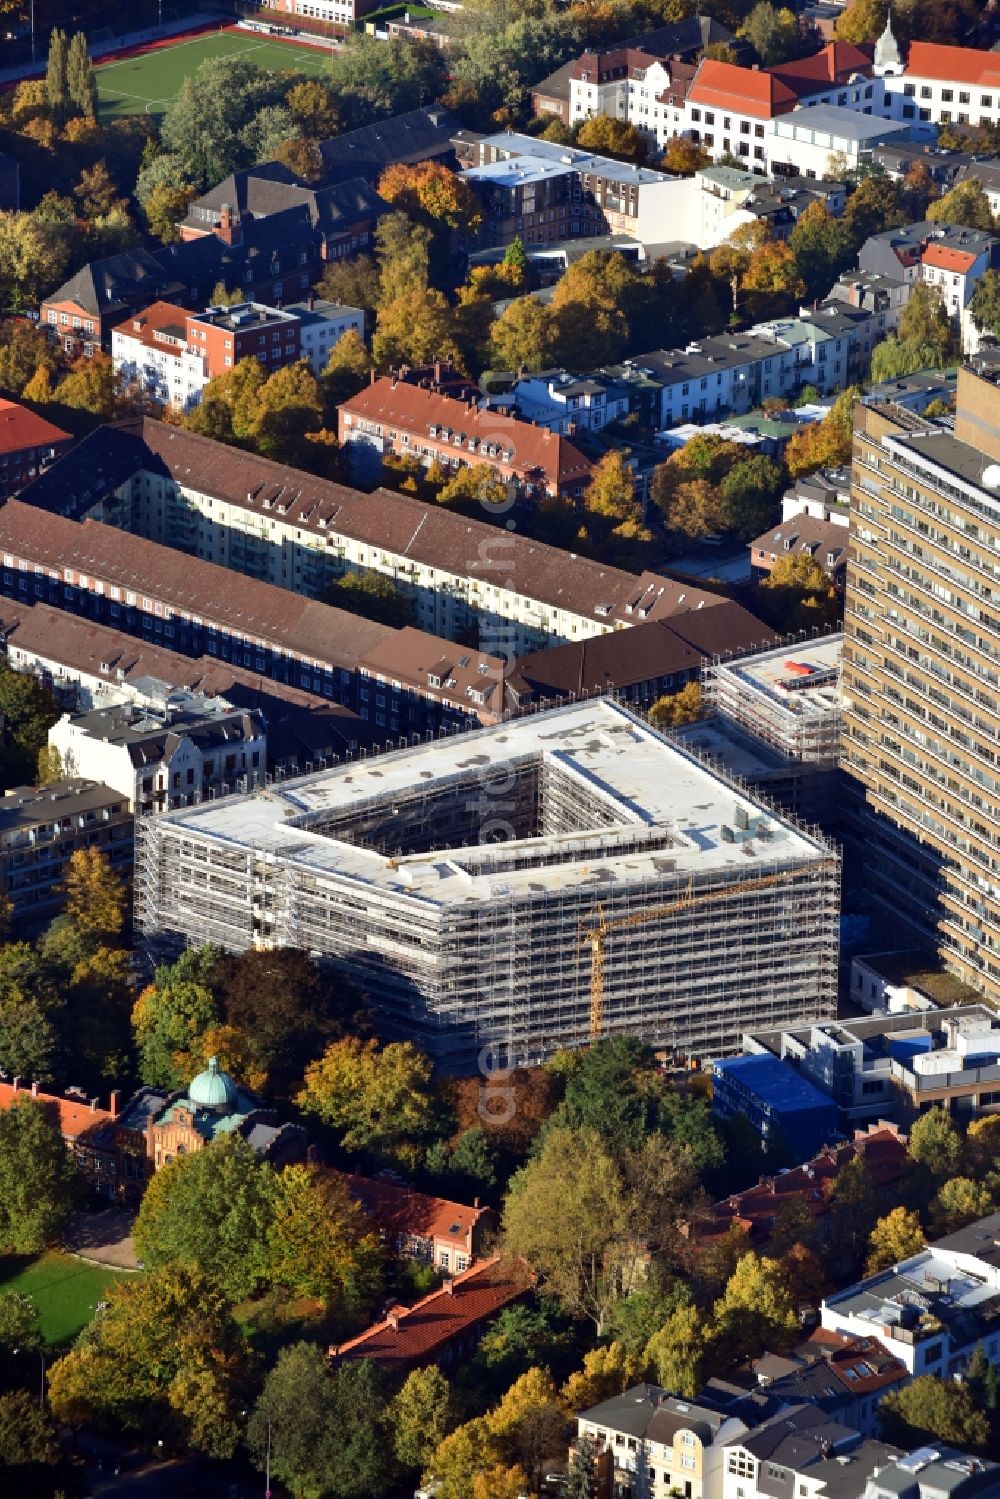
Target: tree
313 107
966 204
32 1463
930 1408
936 1144
607 1370
895 357
164 1356
474 487
821 246
27 712
676 708
24 350
34 254
37 1178
680 1352
347 368
960 1201
370 78
862 21
615 138
91 385
164 209
825 444
457 1460
750 491
756 1310
376 1098
603 1095
172 1017
773 34
854 1209
803 595
984 304
894 1238
224 118
421 1417
684 156
354 282
319 1244
874 206
81 84
524 336
373 596
429 190
56 82
611 491
95 897
982 1145
924 320
580 1482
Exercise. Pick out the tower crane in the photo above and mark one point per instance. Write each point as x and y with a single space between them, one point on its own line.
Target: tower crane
596 937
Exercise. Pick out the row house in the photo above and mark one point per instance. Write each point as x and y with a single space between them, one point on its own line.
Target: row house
567 403
394 417
164 596
28 444
219 504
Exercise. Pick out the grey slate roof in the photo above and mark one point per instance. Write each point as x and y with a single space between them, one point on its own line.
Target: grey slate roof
109 285
419 135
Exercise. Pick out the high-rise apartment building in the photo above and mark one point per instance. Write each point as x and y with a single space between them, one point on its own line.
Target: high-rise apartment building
921 670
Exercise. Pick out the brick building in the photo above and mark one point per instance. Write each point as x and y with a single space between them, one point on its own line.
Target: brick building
28 443
392 416
343 214
447 1235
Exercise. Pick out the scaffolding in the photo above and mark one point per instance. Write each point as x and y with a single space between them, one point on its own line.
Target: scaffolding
788 698
471 945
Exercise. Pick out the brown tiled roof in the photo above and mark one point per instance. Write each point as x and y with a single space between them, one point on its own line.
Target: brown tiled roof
422 1332
75 1117
872 1367
808 534
399 1210
835 63
882 1148
188 586
645 652
426 534
158 317
21 428
409 408
411 655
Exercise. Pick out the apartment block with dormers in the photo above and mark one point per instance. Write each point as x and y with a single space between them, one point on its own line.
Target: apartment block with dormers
921 672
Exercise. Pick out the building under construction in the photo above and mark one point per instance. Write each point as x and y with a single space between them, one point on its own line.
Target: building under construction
527 887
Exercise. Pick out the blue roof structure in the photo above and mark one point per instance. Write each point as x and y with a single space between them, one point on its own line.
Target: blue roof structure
774 1082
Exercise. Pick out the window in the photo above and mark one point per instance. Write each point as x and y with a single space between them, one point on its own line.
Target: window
986 101
964 98
925 92
947 95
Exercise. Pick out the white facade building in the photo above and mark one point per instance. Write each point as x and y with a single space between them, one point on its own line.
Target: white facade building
151 353
819 139
321 327
945 85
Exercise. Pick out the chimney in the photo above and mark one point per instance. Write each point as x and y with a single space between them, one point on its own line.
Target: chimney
448 1287
311 299
16 1084
113 1102
34 1090
475 1202
393 1320
93 1105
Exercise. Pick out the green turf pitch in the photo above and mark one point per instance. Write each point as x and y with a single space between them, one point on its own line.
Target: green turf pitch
147 84
65 1289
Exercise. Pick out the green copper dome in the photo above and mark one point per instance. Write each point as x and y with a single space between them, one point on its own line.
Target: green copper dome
213 1089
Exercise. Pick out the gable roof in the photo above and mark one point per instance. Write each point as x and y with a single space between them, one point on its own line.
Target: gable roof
946 259
415 409
836 63
418 135
725 85
953 64
411 1336
109 285
400 1210
75 1116
21 428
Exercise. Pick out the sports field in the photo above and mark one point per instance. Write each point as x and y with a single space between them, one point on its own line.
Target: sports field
66 1290
146 84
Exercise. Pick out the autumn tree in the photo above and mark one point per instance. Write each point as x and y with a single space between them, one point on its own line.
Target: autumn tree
430 191
958 1202
874 206
81 85
421 1417
894 1238
862 20
966 204
925 321
91 385
474 487
936 1144
684 156
774 34
821 246
611 491
524 336
375 1097
320 1243
95 898
756 1310
165 1355
24 350
413 328
799 594
676 708
313 106
38 1181
164 209
372 595
615 138
607 1370
681 1351
172 1018
827 443
56 81
347 369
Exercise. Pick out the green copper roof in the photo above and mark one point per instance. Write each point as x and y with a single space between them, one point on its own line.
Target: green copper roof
213 1089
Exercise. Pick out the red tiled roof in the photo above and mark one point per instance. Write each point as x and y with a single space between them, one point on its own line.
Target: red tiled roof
21 428
416 1335
398 1209
948 260
862 1364
158 317
835 64
75 1118
953 64
724 85
882 1148
413 409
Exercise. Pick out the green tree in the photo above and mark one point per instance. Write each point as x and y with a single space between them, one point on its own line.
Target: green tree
931 1408
874 206
822 248
372 595
924 320
681 1351
966 204
319 1244
774 35
799 594
38 1181
24 350
580 1482
81 85
750 491
376 1097
936 1144
164 209
34 254
960 1201
165 1356
371 78
289 406
172 1016
27 712
222 120
756 1310
313 107
854 1209
353 282
895 357
56 81
95 897
421 1417
984 304
604 1095
524 336
894 1238
32 1463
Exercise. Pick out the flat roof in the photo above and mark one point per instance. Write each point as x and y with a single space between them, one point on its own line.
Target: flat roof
836 119
941 447
776 1082
662 813
773 675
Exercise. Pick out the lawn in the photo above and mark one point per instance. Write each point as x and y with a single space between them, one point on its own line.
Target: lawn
147 84
65 1289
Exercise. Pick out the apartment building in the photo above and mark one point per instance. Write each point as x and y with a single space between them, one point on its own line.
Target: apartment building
221 505
28 443
564 403
947 256
817 138
189 605
395 417
920 674
932 1309
537 191
823 541
161 760
448 1235
322 325
40 830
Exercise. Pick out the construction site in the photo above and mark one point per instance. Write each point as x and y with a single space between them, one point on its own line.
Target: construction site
789 697
526 888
